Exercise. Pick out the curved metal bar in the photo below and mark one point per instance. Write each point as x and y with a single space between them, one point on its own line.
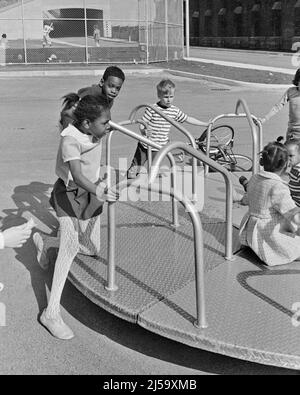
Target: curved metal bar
149 155
111 225
111 213
108 157
140 121
138 137
198 251
111 237
260 132
242 103
202 157
182 130
135 121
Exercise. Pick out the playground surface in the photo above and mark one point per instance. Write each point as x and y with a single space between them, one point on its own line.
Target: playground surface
103 344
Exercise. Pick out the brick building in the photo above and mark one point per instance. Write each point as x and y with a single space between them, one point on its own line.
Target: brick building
257 24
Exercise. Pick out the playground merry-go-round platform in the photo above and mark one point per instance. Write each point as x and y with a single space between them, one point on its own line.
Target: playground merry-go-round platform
180 272
251 310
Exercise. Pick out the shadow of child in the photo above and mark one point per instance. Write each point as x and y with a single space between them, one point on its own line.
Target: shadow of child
32 201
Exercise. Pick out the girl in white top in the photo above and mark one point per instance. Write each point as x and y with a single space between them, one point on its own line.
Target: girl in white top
77 198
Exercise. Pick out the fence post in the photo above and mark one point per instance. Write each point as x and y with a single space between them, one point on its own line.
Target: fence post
147 31
2 310
182 28
187 27
166 30
85 33
24 38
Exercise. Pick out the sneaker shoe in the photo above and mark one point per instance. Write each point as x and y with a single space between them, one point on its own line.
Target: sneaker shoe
56 327
41 252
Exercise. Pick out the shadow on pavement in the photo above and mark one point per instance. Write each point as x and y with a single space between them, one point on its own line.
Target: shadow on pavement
34 199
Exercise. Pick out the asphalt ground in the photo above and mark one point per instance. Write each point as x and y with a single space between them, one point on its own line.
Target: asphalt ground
103 344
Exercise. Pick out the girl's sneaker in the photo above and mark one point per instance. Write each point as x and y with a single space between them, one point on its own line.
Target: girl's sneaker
56 327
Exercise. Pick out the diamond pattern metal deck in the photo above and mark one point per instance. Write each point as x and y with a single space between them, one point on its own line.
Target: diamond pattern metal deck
250 308
249 313
153 259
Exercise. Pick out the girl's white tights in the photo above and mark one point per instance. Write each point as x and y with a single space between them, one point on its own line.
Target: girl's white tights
75 236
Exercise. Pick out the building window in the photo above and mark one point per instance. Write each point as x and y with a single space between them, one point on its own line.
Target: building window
238 20
222 22
297 18
208 23
195 24
277 19
256 20
224 3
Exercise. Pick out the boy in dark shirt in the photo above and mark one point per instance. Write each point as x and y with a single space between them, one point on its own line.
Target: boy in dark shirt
108 87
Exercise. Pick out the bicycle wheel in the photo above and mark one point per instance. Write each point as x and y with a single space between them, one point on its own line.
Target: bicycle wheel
220 135
237 162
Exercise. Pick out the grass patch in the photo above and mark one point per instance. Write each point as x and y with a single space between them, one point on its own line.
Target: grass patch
234 73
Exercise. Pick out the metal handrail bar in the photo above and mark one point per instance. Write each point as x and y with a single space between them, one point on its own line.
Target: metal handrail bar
138 137
149 151
258 123
182 130
111 208
216 166
257 141
198 249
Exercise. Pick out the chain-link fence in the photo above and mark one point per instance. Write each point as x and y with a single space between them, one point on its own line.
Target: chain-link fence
90 31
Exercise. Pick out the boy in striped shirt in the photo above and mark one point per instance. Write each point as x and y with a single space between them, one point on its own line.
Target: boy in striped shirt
158 128
293 146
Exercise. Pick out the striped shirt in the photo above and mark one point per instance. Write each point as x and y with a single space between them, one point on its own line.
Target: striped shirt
294 184
160 127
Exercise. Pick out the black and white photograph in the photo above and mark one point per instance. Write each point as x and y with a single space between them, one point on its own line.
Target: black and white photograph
149 190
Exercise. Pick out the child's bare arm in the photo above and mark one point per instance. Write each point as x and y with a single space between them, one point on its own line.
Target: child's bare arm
296 219
275 109
197 122
16 236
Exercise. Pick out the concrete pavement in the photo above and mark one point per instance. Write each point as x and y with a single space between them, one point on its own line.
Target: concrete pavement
103 344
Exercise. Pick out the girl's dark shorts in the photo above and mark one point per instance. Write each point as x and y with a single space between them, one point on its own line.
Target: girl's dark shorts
73 201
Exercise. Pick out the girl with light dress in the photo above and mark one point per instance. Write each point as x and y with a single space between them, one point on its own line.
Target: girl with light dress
78 199
270 227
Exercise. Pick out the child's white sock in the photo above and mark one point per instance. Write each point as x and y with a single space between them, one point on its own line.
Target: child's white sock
68 250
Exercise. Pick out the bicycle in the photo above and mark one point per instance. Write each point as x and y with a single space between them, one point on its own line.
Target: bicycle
221 149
